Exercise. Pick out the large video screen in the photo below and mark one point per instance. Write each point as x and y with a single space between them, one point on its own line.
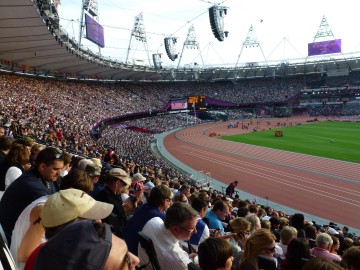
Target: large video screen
180 104
94 31
324 47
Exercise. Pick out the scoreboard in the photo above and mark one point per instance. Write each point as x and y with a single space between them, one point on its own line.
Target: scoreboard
197 103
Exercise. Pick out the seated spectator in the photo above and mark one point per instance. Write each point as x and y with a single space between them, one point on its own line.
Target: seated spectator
255 222
287 234
180 224
159 201
297 250
180 198
319 263
28 232
298 222
261 242
85 245
215 254
116 180
351 258
217 214
322 249
65 207
274 227
28 188
17 161
202 230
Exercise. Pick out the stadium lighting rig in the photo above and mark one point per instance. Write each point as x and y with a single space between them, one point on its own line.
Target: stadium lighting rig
216 17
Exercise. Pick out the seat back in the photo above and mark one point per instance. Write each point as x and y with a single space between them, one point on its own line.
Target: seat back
147 244
6 259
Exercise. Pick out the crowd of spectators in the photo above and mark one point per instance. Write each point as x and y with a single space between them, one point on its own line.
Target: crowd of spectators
123 172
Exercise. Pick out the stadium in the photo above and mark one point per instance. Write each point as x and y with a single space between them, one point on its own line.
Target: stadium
171 119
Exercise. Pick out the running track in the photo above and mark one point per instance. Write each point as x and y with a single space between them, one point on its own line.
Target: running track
319 186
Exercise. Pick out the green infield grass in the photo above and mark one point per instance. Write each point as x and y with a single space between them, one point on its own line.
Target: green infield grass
337 140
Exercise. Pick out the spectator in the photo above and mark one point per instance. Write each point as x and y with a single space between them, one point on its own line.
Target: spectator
322 249
202 229
28 188
255 222
159 201
261 242
215 254
297 250
319 263
85 245
351 258
217 214
287 234
28 232
115 182
298 222
180 224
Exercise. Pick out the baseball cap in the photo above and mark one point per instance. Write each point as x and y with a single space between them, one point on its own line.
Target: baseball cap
69 204
77 246
120 174
137 185
138 177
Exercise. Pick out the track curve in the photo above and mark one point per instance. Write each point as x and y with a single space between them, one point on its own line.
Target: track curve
322 187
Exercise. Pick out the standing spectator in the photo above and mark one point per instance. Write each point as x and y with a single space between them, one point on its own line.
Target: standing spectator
160 199
215 254
231 188
31 185
180 224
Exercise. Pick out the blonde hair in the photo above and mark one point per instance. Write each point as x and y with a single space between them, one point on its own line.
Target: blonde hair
287 234
257 241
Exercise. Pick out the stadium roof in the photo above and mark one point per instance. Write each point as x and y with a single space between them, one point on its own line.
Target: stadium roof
32 41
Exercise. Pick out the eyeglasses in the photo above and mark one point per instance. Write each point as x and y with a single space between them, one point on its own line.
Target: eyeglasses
270 250
126 262
187 230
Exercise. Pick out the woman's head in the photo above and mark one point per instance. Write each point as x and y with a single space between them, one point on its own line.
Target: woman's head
215 253
298 249
261 242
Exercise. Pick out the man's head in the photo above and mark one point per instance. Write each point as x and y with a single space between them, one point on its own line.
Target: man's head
160 197
181 220
5 144
236 182
49 163
287 234
117 179
221 209
200 206
324 240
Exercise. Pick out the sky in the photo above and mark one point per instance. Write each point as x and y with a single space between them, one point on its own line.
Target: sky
282 27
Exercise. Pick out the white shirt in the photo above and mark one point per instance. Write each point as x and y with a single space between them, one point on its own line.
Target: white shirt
21 226
12 174
169 253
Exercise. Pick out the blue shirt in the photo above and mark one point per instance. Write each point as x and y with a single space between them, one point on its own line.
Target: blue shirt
214 221
137 223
